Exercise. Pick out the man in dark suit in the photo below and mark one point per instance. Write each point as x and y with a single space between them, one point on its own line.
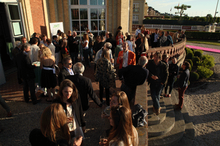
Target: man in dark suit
26 72
132 76
66 70
84 86
155 39
109 38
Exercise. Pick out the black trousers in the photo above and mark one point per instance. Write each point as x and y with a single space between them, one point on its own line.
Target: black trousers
29 84
131 92
101 88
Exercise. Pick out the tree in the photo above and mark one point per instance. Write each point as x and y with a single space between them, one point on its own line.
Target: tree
182 8
209 18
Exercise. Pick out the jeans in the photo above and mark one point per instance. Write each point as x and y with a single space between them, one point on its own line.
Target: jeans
29 84
74 56
86 52
101 88
155 90
181 96
170 83
4 104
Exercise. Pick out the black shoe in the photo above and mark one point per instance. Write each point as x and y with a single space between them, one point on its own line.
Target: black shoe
36 101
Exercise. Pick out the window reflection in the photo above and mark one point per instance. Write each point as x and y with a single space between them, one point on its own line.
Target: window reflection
75 25
75 13
94 13
83 2
74 2
93 2
101 2
13 9
101 24
83 14
94 25
84 25
101 13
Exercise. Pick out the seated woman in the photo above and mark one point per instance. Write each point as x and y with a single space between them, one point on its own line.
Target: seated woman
54 130
69 98
123 132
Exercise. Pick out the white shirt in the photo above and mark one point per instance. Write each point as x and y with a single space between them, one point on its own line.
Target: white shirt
34 53
130 46
52 49
125 59
137 31
42 42
87 46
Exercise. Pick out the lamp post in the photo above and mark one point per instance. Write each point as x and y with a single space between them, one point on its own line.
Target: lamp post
216 11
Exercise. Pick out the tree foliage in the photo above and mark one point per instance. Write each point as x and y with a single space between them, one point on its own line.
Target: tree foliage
182 8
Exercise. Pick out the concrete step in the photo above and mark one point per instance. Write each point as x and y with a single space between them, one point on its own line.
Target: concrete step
165 126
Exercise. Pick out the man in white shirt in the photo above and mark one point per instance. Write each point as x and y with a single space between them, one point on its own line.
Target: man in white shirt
51 46
33 54
44 40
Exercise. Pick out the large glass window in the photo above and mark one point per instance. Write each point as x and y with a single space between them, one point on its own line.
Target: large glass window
135 7
88 14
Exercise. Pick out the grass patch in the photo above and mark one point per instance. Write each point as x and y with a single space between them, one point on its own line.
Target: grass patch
216 43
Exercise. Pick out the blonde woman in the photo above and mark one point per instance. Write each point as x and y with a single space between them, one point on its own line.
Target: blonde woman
54 129
48 77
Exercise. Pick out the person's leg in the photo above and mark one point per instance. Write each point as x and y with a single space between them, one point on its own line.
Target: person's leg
76 57
166 87
100 92
154 96
25 91
91 54
181 96
85 54
31 84
4 104
49 94
72 57
107 95
171 84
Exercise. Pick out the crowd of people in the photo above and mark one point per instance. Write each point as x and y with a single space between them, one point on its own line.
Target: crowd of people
61 64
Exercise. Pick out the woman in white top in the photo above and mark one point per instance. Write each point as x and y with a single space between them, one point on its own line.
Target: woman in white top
86 50
130 45
123 132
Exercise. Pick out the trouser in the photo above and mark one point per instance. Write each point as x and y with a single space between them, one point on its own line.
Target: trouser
101 88
155 90
74 56
130 94
181 96
57 58
170 83
86 52
4 104
91 54
29 84
155 44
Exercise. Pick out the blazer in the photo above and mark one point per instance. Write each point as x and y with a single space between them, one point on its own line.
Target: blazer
131 58
84 86
133 75
62 75
77 106
25 68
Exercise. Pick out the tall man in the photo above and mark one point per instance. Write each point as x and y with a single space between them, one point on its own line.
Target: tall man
84 86
26 71
51 46
157 77
155 39
132 76
73 47
34 50
126 57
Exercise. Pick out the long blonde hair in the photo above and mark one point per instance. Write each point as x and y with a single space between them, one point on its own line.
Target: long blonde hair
106 54
46 52
54 123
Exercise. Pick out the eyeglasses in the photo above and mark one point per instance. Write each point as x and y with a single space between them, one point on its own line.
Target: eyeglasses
69 63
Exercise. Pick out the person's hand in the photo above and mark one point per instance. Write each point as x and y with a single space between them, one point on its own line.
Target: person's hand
77 141
120 57
112 60
103 142
69 119
74 42
35 64
154 77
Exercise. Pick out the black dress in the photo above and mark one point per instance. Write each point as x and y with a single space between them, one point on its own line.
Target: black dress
48 78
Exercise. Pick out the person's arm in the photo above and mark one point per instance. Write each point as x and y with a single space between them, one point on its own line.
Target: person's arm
120 58
165 74
28 63
134 59
121 72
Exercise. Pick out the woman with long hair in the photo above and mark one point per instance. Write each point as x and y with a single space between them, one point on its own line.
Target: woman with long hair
69 98
123 132
48 77
105 75
53 128
120 98
86 50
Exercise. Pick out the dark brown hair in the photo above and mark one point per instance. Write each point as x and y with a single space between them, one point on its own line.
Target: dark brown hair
122 127
67 83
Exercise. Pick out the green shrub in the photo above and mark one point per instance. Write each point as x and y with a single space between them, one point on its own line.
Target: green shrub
190 61
202 35
207 61
188 50
190 55
196 60
194 76
198 53
204 72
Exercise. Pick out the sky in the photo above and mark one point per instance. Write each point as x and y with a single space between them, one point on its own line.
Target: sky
198 7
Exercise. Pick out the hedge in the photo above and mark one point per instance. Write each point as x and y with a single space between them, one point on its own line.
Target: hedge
202 35
204 72
194 76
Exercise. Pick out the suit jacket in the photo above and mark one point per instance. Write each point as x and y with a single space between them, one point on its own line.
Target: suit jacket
84 86
62 75
25 68
184 78
131 58
133 75
77 106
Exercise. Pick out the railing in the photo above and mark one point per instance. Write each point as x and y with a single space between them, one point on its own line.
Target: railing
173 51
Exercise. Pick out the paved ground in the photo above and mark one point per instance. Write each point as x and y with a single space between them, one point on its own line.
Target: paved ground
203 105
